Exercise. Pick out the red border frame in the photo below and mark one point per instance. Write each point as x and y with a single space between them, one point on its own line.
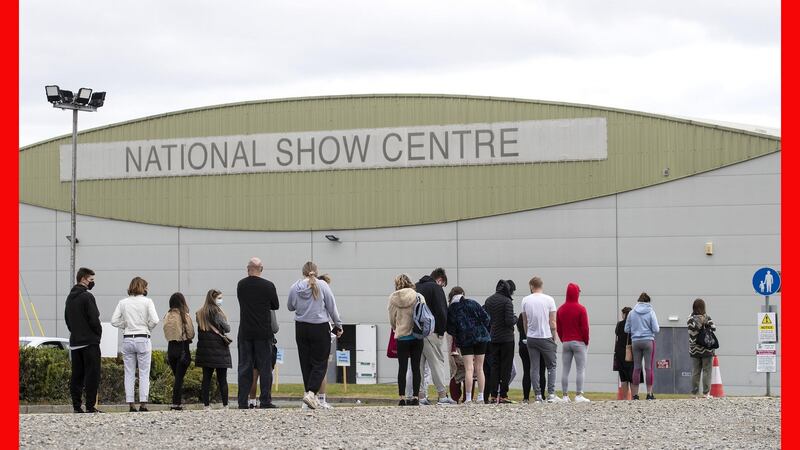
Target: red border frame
789 192
9 136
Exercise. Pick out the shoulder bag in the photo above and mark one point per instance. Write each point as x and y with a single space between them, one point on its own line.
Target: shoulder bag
629 350
706 338
391 350
225 339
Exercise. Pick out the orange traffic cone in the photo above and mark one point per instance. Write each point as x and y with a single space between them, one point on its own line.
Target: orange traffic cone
716 379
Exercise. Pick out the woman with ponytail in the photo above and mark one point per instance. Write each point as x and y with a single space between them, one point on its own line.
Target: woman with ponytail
313 304
179 331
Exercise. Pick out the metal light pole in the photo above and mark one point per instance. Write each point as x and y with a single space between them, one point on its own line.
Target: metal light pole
84 101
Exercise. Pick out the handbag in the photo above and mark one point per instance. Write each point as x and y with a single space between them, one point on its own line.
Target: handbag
629 350
706 338
391 350
225 339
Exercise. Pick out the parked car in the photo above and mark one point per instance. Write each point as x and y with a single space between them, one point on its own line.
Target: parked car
43 341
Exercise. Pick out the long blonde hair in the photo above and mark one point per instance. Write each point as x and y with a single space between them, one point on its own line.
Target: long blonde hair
403 281
310 272
209 307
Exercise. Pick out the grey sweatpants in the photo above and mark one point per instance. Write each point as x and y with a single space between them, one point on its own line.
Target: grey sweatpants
546 347
434 352
704 365
568 350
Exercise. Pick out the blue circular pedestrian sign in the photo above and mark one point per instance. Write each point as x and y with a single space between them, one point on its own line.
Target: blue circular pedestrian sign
766 281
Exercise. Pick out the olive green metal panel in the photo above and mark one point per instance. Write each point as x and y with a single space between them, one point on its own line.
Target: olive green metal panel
640 147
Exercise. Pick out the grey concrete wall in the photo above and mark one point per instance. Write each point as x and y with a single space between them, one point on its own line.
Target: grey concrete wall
614 247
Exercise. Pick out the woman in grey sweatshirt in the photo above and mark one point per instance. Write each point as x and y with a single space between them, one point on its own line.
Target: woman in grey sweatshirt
313 303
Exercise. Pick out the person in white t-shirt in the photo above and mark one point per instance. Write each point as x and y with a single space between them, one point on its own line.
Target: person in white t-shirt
539 321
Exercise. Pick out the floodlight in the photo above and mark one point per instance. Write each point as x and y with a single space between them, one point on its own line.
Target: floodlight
66 96
52 93
98 98
332 237
84 94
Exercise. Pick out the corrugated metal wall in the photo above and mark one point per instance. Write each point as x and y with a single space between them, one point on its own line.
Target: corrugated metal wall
640 147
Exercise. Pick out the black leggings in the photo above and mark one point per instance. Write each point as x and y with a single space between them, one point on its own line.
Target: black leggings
526 372
411 348
222 380
179 358
313 348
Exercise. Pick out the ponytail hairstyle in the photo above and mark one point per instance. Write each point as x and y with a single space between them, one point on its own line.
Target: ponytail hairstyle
310 272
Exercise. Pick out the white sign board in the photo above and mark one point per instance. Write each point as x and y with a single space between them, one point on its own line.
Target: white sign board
530 141
366 354
766 358
342 358
109 341
279 356
767 327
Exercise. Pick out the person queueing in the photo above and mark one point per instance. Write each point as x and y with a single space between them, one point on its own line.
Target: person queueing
322 395
435 349
701 356
252 399
621 340
401 318
136 315
572 323
83 322
540 322
179 332
213 351
642 324
468 323
500 308
527 380
257 297
313 303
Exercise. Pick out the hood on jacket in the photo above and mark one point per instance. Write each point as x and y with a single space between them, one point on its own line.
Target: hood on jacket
77 290
642 308
506 288
573 292
426 279
304 290
404 298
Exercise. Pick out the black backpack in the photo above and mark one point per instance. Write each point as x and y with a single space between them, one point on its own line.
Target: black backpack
706 338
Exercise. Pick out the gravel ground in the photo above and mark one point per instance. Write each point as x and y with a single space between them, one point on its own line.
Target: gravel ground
735 423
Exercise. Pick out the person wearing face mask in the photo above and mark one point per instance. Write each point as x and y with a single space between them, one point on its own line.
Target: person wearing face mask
83 322
257 297
136 315
213 353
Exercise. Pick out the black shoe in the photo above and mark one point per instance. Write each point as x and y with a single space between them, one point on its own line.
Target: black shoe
176 408
143 409
403 402
268 406
78 410
413 402
246 407
93 410
132 409
635 397
651 397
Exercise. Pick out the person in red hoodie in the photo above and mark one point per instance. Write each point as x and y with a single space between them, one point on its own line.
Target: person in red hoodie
572 325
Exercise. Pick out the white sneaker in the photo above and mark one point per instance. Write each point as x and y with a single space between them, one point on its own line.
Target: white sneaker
467 402
446 401
251 403
553 398
310 399
539 399
323 402
708 396
566 398
303 406
581 399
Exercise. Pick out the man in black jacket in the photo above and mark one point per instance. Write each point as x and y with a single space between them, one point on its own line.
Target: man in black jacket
435 351
501 312
257 296
83 322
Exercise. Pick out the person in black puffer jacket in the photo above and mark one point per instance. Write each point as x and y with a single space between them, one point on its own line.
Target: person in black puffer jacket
500 308
213 353
468 323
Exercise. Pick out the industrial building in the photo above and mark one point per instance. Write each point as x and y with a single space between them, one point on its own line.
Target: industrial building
369 186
